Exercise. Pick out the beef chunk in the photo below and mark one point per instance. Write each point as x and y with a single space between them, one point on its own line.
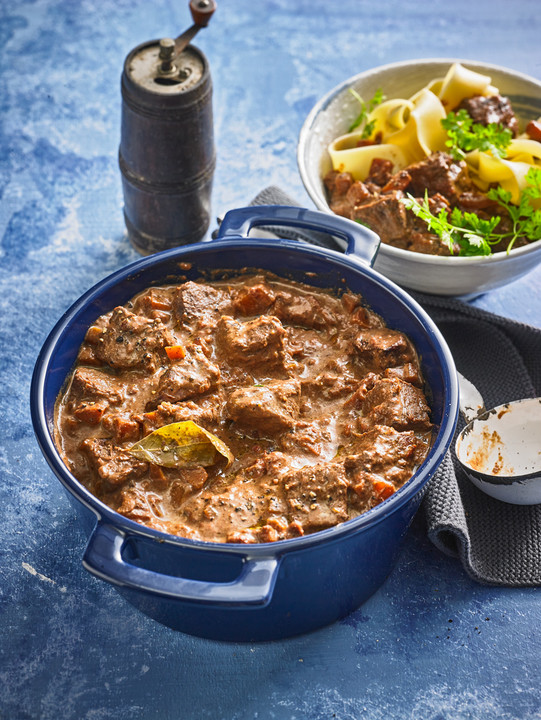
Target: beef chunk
337 183
436 203
134 505
90 412
141 506
90 384
196 303
267 409
493 109
113 464
258 342
310 438
385 215
317 495
154 303
195 374
253 299
338 186
427 244
358 193
304 311
366 384
92 393
184 482
380 348
394 403
122 428
166 413
341 207
385 456
398 181
366 318
533 130
410 373
475 201
380 172
329 386
438 173
419 238
132 341
269 465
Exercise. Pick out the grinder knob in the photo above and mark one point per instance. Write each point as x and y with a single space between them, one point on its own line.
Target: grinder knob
201 11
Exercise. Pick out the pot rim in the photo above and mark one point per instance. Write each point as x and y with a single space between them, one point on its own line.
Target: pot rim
131 528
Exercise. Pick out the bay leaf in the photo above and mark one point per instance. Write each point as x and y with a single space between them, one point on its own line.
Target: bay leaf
182 445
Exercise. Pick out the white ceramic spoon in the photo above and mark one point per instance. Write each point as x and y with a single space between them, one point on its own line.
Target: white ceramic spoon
500 449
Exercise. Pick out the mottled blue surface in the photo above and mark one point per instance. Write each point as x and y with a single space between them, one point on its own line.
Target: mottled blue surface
431 643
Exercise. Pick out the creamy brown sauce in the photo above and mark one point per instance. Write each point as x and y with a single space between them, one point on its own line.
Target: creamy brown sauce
321 405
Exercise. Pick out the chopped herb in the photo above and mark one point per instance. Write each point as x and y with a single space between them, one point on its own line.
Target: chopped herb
465 135
473 235
366 109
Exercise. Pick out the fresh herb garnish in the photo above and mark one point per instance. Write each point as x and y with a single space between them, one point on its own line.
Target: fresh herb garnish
462 230
473 235
366 109
525 217
465 135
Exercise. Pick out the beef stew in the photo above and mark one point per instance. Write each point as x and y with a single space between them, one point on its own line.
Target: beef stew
320 407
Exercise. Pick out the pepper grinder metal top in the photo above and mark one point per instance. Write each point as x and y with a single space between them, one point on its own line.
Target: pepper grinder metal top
166 154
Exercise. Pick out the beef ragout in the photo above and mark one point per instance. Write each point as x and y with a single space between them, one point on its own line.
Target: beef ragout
321 406
376 201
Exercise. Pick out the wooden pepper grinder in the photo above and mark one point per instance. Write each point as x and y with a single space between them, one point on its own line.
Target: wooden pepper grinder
167 156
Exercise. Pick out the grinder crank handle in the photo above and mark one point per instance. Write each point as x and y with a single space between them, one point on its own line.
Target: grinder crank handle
202 11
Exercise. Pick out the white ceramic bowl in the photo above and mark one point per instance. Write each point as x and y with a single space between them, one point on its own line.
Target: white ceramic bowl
331 117
499 448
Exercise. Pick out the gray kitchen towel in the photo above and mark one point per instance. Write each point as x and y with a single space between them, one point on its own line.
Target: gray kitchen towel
497 543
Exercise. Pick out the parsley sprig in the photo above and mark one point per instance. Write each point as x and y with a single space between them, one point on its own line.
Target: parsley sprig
472 235
526 218
465 231
366 109
465 135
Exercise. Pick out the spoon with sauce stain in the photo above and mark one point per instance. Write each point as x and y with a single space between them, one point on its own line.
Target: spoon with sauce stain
500 449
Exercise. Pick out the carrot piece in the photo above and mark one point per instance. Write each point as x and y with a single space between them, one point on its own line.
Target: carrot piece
157 304
175 352
125 429
383 489
90 413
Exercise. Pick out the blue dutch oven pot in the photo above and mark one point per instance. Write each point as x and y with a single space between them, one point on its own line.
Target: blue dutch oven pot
270 590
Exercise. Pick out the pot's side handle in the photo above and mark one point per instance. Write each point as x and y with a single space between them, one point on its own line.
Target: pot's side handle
103 558
361 241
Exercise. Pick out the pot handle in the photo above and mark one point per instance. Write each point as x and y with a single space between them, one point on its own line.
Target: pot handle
361 241
103 558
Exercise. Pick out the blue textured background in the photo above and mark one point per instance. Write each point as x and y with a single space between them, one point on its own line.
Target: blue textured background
431 643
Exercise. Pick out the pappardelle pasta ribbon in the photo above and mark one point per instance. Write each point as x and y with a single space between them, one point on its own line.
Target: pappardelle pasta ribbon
408 130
